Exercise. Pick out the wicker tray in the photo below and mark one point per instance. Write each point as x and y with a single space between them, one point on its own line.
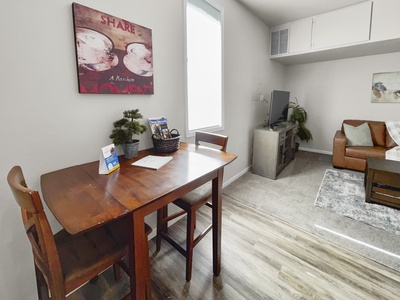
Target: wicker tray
167 145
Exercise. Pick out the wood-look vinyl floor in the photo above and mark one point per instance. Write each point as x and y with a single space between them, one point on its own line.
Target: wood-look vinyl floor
262 258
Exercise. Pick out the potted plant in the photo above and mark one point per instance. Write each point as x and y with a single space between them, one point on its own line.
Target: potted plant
299 116
123 132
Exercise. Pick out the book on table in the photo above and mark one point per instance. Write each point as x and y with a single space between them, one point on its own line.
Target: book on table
152 162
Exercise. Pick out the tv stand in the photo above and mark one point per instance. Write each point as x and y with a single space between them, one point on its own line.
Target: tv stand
273 149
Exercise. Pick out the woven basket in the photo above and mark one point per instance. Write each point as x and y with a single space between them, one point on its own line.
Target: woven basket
167 145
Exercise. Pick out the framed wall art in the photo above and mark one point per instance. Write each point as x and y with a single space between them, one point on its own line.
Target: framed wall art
386 87
114 56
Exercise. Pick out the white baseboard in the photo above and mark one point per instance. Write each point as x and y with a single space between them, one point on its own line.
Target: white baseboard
228 182
316 151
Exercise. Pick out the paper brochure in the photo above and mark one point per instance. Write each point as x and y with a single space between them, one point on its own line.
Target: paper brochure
152 162
159 127
108 160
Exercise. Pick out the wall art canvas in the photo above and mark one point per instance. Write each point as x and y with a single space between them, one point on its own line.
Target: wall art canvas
114 56
386 87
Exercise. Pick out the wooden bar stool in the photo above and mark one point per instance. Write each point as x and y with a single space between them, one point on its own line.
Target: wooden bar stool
189 204
65 262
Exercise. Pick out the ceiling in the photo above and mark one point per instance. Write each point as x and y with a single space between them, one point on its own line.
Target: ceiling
277 12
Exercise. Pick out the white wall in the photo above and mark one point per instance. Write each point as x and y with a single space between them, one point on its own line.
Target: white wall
247 65
45 124
341 89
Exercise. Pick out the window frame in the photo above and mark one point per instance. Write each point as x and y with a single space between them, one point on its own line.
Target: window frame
191 133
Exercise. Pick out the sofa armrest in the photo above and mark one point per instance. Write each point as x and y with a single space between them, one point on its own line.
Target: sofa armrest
339 149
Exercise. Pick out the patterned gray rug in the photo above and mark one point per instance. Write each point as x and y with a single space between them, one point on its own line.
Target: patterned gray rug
344 194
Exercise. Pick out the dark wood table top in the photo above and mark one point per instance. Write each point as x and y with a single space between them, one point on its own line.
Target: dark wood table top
80 198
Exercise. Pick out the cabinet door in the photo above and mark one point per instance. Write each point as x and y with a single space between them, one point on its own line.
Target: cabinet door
300 36
385 20
340 27
265 152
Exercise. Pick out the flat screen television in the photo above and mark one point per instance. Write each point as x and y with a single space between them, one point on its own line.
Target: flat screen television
278 107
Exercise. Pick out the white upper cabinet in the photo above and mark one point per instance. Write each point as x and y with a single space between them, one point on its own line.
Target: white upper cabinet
300 36
346 26
385 20
342 27
367 28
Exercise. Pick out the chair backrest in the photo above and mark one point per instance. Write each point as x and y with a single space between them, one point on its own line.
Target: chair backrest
37 228
211 138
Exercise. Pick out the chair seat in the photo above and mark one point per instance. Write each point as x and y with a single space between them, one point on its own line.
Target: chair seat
195 198
86 254
91 252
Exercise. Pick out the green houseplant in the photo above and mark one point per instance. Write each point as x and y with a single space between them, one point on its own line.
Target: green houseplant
125 128
299 116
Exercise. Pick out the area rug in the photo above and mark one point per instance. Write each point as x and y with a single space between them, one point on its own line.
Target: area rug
344 194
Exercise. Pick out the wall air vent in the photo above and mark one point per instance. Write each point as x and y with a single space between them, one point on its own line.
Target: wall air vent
279 41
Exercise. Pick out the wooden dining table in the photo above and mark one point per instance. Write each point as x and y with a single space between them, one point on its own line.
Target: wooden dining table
82 199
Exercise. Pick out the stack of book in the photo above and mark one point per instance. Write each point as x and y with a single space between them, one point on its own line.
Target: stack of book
159 128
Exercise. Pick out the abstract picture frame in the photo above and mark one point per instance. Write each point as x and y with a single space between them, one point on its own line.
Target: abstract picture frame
385 87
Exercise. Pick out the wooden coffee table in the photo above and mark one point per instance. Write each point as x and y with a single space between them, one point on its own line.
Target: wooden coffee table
382 184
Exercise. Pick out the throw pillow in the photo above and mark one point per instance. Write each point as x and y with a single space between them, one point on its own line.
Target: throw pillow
358 136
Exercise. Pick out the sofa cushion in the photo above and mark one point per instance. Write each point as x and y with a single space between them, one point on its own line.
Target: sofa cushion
377 128
353 122
358 135
363 152
378 133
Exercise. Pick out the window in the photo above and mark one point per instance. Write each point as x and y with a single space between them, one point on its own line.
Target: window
204 69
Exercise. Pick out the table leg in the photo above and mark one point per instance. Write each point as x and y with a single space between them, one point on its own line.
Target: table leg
368 185
217 220
139 261
162 213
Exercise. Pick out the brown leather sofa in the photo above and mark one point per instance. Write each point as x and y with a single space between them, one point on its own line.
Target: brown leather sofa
355 157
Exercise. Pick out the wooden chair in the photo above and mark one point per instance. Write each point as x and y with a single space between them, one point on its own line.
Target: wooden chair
189 204
62 261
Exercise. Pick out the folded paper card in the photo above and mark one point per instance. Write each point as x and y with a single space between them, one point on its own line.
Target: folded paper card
108 160
152 162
